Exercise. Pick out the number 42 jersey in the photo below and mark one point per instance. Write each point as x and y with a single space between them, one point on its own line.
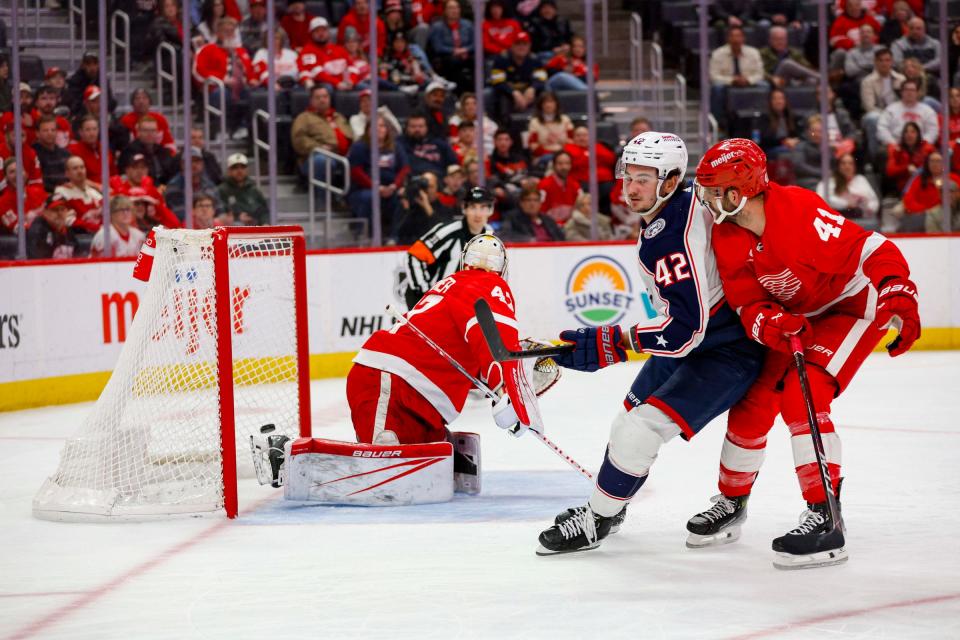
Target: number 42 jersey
679 272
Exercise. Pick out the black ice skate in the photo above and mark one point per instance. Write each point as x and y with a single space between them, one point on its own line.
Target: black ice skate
614 526
814 543
720 524
582 531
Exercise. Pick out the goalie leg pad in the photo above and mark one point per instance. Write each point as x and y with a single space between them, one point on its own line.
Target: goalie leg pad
635 440
466 462
335 472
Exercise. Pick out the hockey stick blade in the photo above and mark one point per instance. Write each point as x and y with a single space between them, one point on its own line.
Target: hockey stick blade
499 351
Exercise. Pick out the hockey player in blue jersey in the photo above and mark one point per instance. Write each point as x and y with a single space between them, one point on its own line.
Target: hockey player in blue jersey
701 362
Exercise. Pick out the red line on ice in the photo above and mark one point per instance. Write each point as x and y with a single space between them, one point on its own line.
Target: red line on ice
89 597
828 617
39 594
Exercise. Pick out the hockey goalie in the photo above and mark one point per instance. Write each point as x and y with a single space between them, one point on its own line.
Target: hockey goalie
406 387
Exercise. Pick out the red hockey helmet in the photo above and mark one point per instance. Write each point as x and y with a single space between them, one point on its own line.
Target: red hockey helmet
736 163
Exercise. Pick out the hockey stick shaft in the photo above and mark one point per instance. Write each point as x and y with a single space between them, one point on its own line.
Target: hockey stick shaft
797 347
484 388
499 351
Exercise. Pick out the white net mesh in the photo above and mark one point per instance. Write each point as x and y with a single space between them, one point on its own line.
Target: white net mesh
152 446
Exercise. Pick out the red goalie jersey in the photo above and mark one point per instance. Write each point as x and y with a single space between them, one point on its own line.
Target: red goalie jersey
809 259
446 315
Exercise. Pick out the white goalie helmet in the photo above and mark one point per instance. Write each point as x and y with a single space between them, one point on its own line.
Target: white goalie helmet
485 251
664 152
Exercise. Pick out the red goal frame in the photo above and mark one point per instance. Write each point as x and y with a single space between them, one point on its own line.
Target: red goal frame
221 266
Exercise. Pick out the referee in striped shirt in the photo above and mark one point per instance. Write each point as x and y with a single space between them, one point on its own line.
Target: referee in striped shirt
436 254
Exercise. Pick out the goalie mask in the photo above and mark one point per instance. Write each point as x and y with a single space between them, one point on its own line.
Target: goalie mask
664 152
485 252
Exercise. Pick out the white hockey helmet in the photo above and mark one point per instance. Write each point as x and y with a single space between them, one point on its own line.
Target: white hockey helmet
485 251
664 152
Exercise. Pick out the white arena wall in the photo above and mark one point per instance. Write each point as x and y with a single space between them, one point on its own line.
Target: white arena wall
62 325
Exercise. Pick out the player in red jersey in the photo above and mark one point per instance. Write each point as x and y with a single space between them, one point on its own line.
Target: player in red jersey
402 391
791 265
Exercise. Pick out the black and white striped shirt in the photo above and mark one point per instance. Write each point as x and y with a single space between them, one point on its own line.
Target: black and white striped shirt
435 256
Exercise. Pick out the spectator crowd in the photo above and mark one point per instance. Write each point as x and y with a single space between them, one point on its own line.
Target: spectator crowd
882 127
884 117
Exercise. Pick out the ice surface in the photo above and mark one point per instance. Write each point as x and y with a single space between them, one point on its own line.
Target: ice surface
467 569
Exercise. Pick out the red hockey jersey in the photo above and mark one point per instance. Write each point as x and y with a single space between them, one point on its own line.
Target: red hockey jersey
87 203
446 315
32 175
33 205
213 61
808 259
325 62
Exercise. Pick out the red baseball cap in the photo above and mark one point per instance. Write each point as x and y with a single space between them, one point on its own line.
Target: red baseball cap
53 71
92 92
523 36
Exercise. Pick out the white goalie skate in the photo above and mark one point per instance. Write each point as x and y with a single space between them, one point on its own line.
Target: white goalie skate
268 456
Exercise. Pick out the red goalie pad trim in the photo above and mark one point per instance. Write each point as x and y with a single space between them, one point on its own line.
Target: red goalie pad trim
361 450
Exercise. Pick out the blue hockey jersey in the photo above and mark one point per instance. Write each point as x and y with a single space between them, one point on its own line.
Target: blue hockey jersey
679 271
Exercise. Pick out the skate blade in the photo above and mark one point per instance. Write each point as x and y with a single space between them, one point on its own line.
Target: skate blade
731 534
789 562
543 551
466 484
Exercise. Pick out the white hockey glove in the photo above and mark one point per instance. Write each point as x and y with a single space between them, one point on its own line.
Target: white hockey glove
505 416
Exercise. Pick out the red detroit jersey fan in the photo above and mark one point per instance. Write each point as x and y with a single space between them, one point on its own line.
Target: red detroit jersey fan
422 379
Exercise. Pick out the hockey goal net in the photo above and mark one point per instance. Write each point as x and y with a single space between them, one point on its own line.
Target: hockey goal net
217 349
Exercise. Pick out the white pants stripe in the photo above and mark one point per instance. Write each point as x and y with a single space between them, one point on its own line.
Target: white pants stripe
803 448
383 404
853 337
734 458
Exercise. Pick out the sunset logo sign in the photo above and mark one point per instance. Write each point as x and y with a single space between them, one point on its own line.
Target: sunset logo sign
598 291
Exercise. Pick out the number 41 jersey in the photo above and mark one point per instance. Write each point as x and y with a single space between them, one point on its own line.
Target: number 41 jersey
809 258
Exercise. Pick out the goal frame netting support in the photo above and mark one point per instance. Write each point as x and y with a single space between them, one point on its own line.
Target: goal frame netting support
221 267
148 450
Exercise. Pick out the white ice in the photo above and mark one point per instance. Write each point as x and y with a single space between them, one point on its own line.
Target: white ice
468 570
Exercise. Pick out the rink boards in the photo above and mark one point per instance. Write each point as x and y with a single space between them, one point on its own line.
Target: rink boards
62 325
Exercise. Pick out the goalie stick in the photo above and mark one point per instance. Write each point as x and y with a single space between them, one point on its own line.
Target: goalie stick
797 347
484 388
499 351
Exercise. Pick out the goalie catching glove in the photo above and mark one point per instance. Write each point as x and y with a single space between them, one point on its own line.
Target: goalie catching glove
594 348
